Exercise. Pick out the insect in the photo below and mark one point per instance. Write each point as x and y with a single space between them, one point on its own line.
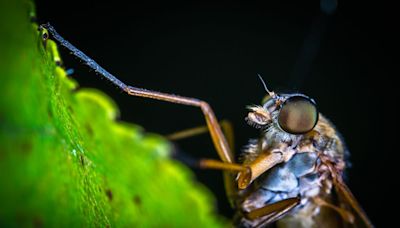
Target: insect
290 176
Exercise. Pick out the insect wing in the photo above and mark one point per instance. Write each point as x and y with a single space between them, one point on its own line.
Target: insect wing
349 202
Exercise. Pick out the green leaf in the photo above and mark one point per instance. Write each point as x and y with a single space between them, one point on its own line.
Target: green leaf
66 162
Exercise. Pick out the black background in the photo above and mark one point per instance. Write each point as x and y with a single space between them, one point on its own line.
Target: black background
213 51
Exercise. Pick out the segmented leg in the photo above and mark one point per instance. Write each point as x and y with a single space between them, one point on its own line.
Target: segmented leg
346 215
229 177
226 128
217 136
272 212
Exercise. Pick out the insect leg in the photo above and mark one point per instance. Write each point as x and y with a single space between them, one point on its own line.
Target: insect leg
187 133
217 136
260 165
229 177
345 194
272 211
225 125
346 215
206 163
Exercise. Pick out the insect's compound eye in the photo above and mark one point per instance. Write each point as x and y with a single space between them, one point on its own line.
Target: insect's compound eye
298 115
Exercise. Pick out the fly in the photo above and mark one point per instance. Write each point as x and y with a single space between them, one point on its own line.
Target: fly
290 176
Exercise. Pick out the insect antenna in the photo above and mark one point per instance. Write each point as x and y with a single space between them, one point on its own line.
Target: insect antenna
272 94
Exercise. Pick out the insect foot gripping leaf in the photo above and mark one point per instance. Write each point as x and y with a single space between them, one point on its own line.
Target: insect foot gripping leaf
65 162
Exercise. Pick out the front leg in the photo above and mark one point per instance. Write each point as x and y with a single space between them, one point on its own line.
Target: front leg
218 138
265 161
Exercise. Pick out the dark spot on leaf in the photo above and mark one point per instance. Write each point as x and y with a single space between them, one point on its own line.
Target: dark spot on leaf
137 200
20 217
82 160
109 194
26 147
89 129
37 222
58 63
70 109
49 112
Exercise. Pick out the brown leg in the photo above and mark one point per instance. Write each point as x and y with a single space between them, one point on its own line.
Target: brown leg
346 215
229 177
216 164
187 133
226 128
217 136
211 163
260 165
273 211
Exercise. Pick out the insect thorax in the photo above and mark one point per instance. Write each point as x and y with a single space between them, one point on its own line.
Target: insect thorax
303 175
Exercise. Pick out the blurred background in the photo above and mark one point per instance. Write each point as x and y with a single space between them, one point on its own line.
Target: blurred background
338 53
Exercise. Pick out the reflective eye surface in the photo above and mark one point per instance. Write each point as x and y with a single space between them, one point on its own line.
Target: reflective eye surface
298 115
